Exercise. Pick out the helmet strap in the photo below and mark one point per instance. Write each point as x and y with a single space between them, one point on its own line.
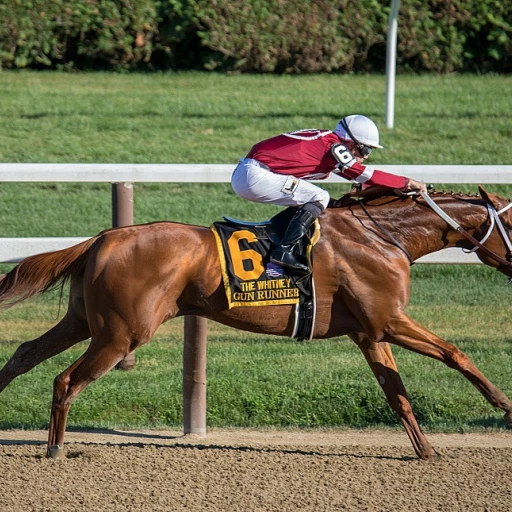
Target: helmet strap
344 125
364 150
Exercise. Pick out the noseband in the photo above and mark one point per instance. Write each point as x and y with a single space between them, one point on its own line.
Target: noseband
505 265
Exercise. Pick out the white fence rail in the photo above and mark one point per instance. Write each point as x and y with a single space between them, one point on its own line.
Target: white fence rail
15 249
221 173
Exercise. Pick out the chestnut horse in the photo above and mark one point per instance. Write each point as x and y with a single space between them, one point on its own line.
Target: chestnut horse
125 282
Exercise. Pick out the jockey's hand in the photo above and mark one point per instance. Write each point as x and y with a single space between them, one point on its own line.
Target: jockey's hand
415 186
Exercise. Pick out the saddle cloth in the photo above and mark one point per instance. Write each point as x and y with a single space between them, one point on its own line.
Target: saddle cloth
250 279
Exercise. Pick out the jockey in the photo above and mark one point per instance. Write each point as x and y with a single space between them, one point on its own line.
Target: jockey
278 170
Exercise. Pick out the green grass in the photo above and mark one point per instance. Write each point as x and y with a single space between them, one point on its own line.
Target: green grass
213 118
210 118
260 381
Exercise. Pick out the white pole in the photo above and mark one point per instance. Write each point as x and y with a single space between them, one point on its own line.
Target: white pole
391 63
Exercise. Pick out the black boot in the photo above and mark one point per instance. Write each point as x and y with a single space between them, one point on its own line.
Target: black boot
283 255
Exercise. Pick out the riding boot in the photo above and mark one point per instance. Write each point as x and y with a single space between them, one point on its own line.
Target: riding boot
283 254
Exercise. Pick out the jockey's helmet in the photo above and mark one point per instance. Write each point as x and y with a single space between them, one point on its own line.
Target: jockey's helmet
360 129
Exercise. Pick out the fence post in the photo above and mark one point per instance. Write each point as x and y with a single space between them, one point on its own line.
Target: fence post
122 215
122 204
194 375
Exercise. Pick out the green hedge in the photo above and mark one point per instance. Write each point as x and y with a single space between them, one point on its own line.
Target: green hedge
454 35
77 33
283 36
291 36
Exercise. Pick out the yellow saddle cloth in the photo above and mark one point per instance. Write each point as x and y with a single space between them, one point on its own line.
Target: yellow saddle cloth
250 278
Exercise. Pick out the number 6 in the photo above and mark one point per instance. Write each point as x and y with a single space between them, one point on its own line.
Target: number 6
238 256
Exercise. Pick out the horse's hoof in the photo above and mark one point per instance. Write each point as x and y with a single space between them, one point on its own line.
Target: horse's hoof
429 455
55 452
124 367
126 364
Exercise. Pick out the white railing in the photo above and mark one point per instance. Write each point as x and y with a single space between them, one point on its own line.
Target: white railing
221 173
15 249
195 328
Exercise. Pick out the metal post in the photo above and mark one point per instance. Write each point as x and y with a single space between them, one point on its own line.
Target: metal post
194 375
122 215
391 63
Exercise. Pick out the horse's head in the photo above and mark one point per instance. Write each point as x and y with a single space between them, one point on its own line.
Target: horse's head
499 235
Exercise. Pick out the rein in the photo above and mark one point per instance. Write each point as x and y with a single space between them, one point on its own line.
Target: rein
495 219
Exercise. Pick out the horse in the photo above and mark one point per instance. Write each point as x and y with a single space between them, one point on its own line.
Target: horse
125 282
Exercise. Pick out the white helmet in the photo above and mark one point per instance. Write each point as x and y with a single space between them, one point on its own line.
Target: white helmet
360 129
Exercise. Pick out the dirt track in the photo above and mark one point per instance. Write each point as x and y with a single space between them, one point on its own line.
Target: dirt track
254 471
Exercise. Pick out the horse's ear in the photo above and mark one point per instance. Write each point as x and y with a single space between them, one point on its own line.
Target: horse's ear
484 195
489 198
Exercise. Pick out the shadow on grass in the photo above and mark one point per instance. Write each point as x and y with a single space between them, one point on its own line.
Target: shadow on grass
243 115
240 115
489 423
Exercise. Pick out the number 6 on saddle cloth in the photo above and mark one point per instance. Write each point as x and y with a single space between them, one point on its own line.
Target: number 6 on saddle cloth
251 279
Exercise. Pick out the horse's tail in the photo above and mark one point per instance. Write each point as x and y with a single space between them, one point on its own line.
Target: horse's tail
41 272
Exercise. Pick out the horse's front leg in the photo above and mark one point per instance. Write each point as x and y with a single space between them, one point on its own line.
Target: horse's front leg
406 333
383 365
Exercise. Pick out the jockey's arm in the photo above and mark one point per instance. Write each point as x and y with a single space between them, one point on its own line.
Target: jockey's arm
350 169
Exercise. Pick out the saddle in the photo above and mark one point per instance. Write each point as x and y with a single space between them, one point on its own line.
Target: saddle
250 279
274 228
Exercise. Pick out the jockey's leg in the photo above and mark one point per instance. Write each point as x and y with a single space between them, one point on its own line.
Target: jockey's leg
303 219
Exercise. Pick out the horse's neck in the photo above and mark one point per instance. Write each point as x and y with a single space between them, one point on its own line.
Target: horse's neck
430 233
418 228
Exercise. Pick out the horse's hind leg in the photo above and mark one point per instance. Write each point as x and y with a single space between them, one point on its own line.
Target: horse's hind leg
65 334
408 334
72 329
383 365
95 363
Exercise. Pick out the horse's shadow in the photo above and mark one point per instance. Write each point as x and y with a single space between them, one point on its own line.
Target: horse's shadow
103 431
154 438
295 451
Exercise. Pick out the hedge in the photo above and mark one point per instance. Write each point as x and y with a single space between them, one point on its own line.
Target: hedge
263 36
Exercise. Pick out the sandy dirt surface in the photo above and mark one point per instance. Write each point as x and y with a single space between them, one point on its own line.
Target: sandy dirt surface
240 470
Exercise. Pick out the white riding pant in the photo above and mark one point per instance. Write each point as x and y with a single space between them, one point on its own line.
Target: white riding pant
254 181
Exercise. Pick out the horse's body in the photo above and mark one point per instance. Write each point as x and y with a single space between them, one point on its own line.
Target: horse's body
126 282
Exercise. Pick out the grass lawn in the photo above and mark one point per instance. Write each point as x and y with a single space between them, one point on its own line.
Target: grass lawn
211 118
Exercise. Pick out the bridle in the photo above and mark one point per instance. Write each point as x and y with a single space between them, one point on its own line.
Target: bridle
505 265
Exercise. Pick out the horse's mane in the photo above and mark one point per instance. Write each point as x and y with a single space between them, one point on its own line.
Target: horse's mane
373 193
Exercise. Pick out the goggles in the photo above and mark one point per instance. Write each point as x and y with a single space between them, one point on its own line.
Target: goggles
363 150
